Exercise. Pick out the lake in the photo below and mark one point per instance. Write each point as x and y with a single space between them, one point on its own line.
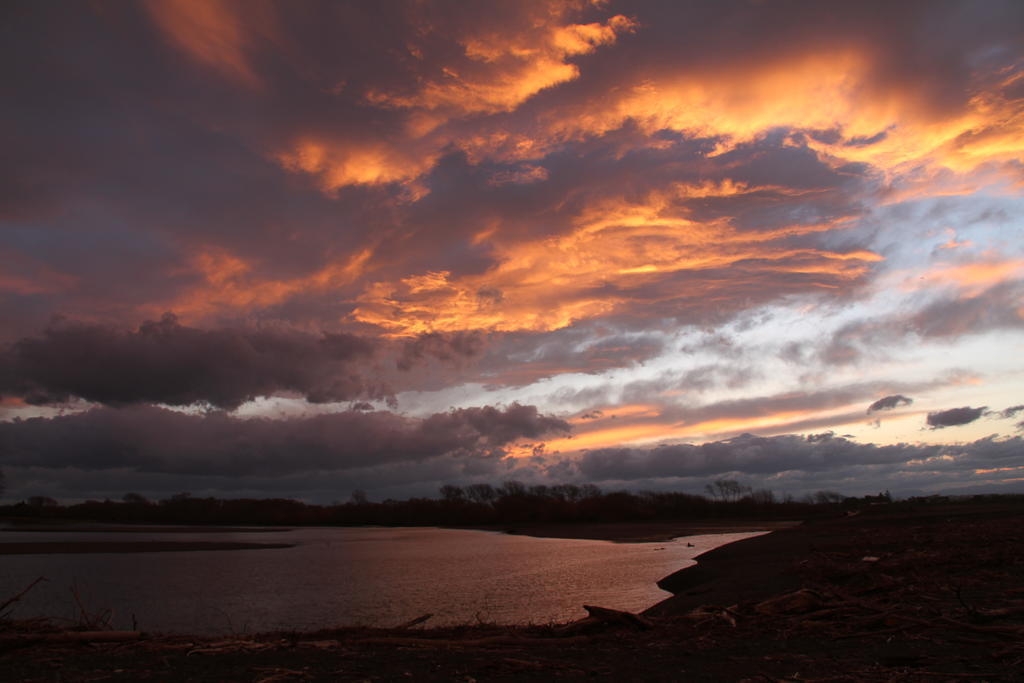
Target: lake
344 577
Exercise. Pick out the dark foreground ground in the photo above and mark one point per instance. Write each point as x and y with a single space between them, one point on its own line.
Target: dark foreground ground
932 594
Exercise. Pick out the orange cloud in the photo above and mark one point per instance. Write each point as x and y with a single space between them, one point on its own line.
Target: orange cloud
505 69
451 100
612 436
824 90
24 276
731 425
1001 469
211 33
230 284
633 410
645 426
616 248
342 163
971 278
501 71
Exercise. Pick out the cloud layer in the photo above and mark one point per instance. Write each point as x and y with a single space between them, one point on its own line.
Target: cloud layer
166 362
160 441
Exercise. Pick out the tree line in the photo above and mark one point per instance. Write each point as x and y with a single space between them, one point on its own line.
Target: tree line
512 502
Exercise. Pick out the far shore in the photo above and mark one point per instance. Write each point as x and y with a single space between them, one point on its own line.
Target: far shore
619 532
640 532
88 527
72 547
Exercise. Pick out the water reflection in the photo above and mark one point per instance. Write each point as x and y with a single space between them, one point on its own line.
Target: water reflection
347 576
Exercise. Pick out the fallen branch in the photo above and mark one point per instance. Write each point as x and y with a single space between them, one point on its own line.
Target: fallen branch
882 632
474 642
416 621
998 612
946 675
25 639
614 616
10 601
230 646
800 601
995 630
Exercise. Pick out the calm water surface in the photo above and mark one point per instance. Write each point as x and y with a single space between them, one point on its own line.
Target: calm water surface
344 577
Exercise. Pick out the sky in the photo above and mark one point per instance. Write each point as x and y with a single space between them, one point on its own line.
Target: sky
299 249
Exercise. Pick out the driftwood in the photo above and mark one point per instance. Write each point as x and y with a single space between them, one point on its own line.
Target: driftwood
803 600
77 636
602 616
469 642
10 601
417 621
614 616
319 644
273 674
707 613
11 642
228 646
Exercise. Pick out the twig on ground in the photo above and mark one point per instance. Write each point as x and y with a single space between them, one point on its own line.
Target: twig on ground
415 622
10 601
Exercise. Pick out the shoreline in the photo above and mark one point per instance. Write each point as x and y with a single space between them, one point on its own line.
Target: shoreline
636 532
616 532
125 547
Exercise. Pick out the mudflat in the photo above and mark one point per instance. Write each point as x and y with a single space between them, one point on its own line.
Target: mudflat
641 532
62 547
897 593
146 529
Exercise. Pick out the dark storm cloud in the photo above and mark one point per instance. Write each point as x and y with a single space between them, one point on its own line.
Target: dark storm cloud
768 457
954 417
166 362
519 358
995 308
787 464
889 402
947 317
123 153
444 347
156 440
1011 411
747 454
793 402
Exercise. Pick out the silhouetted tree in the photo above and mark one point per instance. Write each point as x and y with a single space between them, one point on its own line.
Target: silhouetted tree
481 493
452 493
512 488
827 497
567 492
762 497
727 490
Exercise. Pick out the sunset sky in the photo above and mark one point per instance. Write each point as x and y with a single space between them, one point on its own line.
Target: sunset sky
296 249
